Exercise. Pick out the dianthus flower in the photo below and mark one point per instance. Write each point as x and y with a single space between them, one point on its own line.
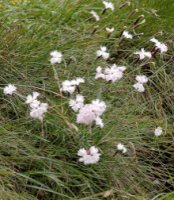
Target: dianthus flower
56 57
9 89
159 45
90 156
77 103
103 53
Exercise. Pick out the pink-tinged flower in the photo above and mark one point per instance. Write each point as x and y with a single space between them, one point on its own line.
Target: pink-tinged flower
103 53
143 54
56 57
77 103
112 73
139 87
39 111
70 86
86 115
32 100
95 15
9 89
98 107
90 156
142 79
108 5
99 73
127 35
159 45
89 113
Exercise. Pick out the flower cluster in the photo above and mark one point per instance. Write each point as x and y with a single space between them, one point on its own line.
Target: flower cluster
112 73
89 156
70 86
37 109
141 79
91 113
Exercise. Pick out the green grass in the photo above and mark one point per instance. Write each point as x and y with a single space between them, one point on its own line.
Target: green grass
33 167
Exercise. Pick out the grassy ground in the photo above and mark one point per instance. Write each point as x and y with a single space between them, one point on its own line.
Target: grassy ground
33 166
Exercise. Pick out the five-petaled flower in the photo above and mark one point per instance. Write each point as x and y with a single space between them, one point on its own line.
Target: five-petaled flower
142 54
89 156
56 57
127 35
9 89
95 15
103 53
159 45
77 103
108 5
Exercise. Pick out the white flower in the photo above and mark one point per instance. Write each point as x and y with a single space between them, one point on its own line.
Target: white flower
70 86
112 73
90 156
142 54
161 46
9 89
99 122
95 15
90 112
142 79
108 5
32 100
154 40
56 57
102 53
158 131
99 73
79 80
86 115
39 111
121 147
127 35
139 87
110 30
98 107
67 87
77 103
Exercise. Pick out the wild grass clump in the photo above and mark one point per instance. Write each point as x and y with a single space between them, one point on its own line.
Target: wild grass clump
86 100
